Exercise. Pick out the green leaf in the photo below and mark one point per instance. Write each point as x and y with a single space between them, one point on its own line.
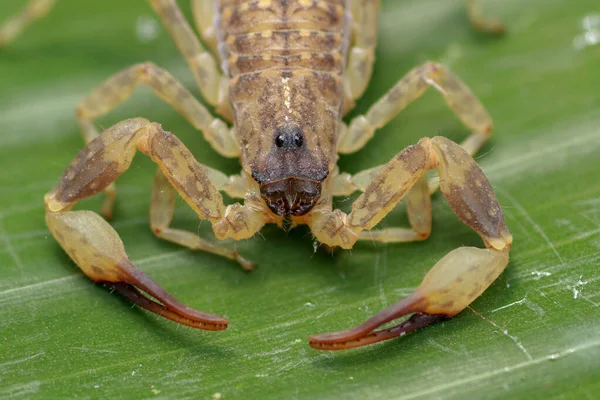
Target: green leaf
534 334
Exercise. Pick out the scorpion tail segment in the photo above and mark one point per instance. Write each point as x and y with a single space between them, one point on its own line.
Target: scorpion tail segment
366 332
97 249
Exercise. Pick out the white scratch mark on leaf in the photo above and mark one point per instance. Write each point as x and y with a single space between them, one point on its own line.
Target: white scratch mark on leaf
282 325
508 369
22 360
270 353
10 248
19 390
38 285
536 154
87 349
518 343
535 226
11 211
405 291
535 308
444 348
589 202
10 292
578 287
504 332
587 234
514 303
527 303
540 274
382 295
38 114
378 278
325 313
44 233
589 300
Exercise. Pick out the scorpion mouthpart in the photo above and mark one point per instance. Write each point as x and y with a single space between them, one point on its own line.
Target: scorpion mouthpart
365 333
291 196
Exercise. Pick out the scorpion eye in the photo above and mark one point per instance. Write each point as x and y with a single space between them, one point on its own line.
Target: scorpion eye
298 141
279 141
289 137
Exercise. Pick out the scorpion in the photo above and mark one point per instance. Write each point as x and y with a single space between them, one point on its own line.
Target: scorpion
289 71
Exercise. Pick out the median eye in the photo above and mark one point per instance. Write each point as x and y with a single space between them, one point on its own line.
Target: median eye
298 141
289 137
279 141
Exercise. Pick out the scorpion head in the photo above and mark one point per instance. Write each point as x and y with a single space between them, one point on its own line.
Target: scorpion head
289 175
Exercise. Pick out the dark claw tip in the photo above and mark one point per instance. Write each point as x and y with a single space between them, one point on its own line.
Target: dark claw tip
353 338
171 309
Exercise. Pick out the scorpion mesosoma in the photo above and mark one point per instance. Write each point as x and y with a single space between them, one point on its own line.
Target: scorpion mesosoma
290 69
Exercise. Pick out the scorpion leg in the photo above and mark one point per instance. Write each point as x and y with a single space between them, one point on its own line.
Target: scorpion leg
95 246
34 10
459 277
213 85
480 22
120 86
162 207
458 96
361 54
203 12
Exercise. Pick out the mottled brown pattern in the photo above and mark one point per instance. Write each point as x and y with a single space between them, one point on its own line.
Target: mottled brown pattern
87 175
170 153
469 193
286 59
239 17
284 42
392 183
331 62
260 110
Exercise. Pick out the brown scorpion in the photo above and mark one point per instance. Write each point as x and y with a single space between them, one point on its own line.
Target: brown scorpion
289 71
